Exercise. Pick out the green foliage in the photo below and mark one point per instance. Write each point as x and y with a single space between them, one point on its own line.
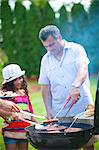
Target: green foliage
39 3
63 18
22 45
21 38
84 29
93 38
34 50
7 29
20 29
3 60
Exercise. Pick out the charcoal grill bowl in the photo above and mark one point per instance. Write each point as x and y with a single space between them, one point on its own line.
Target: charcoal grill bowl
43 140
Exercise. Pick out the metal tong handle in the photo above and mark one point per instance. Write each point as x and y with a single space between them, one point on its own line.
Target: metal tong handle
75 118
6 97
37 125
72 104
30 114
63 107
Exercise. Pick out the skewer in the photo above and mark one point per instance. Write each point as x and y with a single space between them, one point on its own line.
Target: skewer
30 114
37 125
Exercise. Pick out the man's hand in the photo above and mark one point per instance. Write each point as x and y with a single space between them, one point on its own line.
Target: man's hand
9 106
50 115
74 94
4 113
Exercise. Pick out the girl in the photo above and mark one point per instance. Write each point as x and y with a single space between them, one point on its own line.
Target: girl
15 89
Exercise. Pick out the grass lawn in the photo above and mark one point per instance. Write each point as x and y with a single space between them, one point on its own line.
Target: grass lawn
38 106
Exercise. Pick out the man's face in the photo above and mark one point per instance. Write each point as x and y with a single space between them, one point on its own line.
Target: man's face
52 45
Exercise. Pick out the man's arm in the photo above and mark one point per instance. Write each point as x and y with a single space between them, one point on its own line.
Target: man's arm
82 71
47 98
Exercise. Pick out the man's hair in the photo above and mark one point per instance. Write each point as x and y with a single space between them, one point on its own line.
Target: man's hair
47 31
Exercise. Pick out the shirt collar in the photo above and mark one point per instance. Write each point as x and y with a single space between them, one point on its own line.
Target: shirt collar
67 44
66 47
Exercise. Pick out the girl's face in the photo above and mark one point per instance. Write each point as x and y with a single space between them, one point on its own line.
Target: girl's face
18 83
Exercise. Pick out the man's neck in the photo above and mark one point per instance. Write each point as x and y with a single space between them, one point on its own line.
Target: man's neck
59 55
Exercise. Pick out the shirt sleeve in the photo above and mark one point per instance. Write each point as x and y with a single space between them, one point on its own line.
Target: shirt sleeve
43 79
80 55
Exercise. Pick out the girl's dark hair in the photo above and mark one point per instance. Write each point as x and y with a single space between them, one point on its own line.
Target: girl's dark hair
9 86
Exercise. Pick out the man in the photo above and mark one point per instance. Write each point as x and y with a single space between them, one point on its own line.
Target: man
63 74
7 108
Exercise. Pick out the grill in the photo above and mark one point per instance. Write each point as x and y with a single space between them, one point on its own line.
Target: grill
62 140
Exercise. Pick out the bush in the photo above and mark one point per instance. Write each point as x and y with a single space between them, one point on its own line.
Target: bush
3 60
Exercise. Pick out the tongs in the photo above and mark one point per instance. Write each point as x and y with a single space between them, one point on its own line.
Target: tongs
24 112
6 97
30 114
77 117
67 101
37 125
